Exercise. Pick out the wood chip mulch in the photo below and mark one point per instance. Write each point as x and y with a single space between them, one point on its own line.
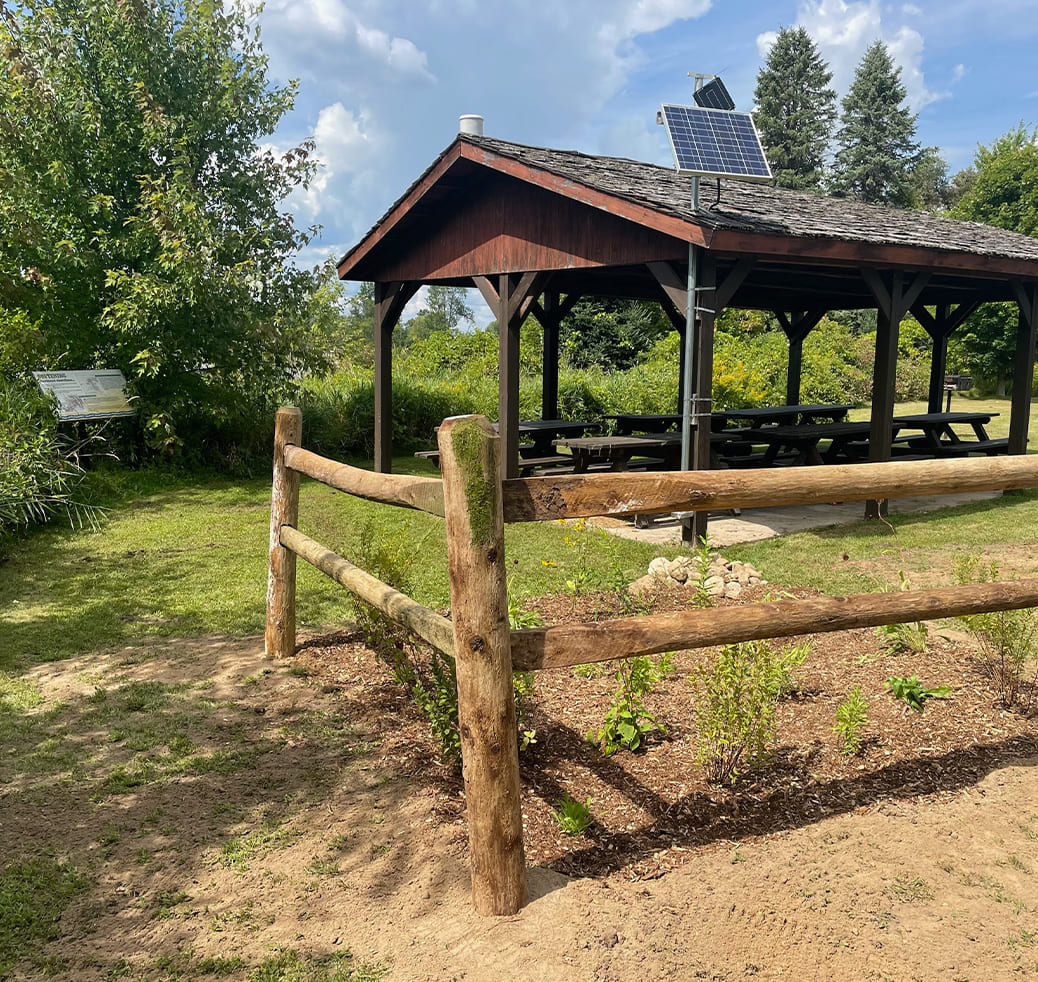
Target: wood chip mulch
653 809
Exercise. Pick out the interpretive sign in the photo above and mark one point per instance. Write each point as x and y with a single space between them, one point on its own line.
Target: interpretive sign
95 394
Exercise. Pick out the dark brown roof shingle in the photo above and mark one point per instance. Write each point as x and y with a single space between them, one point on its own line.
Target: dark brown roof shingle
763 209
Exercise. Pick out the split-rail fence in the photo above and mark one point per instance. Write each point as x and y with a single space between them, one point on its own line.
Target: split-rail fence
475 503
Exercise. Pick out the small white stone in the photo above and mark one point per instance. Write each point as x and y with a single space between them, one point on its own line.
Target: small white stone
714 585
659 567
644 584
680 568
732 590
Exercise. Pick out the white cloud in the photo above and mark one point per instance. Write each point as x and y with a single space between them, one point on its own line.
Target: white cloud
298 33
350 150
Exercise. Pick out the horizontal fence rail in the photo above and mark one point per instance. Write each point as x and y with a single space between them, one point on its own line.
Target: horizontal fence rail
539 499
427 624
576 644
421 493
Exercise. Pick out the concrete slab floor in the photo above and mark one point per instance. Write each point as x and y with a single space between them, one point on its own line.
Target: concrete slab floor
754 524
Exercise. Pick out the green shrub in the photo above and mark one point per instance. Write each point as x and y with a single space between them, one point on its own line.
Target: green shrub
735 708
38 474
1008 639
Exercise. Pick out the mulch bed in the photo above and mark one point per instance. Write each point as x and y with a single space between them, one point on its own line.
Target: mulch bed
653 809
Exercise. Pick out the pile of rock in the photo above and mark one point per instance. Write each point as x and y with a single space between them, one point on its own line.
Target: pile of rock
713 574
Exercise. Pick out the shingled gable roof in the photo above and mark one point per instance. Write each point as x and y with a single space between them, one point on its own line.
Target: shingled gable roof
745 218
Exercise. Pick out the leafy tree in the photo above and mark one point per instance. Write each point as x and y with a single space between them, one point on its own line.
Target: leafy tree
1002 191
931 190
142 214
445 308
795 109
610 333
876 139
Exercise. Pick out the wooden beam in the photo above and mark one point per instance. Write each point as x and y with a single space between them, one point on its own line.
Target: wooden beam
422 493
574 644
486 706
728 287
672 284
427 624
543 499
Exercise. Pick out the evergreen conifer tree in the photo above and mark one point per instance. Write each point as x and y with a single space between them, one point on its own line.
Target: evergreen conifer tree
795 109
877 146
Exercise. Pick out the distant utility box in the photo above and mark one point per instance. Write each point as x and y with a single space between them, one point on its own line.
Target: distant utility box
95 394
958 383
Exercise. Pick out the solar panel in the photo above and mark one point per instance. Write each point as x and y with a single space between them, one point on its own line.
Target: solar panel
714 95
714 143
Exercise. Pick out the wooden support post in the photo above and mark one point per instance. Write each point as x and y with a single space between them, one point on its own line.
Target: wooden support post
940 326
1023 367
511 298
469 452
280 641
894 297
796 328
673 301
551 314
390 300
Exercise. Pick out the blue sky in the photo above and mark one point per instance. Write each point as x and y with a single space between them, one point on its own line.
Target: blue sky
382 82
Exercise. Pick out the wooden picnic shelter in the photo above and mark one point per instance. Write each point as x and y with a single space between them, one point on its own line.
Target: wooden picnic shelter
536 229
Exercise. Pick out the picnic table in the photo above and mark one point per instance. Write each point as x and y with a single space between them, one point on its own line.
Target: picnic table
618 451
536 451
786 415
940 440
849 440
630 423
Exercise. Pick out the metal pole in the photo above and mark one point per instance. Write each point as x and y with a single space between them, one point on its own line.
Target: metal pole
688 369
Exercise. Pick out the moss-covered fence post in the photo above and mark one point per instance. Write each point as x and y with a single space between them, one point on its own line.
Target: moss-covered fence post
469 460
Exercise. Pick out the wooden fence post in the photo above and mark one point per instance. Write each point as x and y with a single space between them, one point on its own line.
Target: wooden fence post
284 510
469 460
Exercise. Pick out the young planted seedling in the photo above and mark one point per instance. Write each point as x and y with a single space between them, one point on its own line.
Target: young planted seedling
852 715
572 817
911 692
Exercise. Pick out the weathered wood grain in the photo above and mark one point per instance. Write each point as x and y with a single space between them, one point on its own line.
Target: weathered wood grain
583 495
280 634
470 461
427 624
576 644
421 493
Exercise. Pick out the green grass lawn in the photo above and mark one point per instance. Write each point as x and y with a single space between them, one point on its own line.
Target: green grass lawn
190 558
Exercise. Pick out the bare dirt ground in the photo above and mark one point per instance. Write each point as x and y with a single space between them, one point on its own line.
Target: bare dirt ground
322 822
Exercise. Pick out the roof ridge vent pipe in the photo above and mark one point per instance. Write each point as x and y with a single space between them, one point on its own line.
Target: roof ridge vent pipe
470 124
